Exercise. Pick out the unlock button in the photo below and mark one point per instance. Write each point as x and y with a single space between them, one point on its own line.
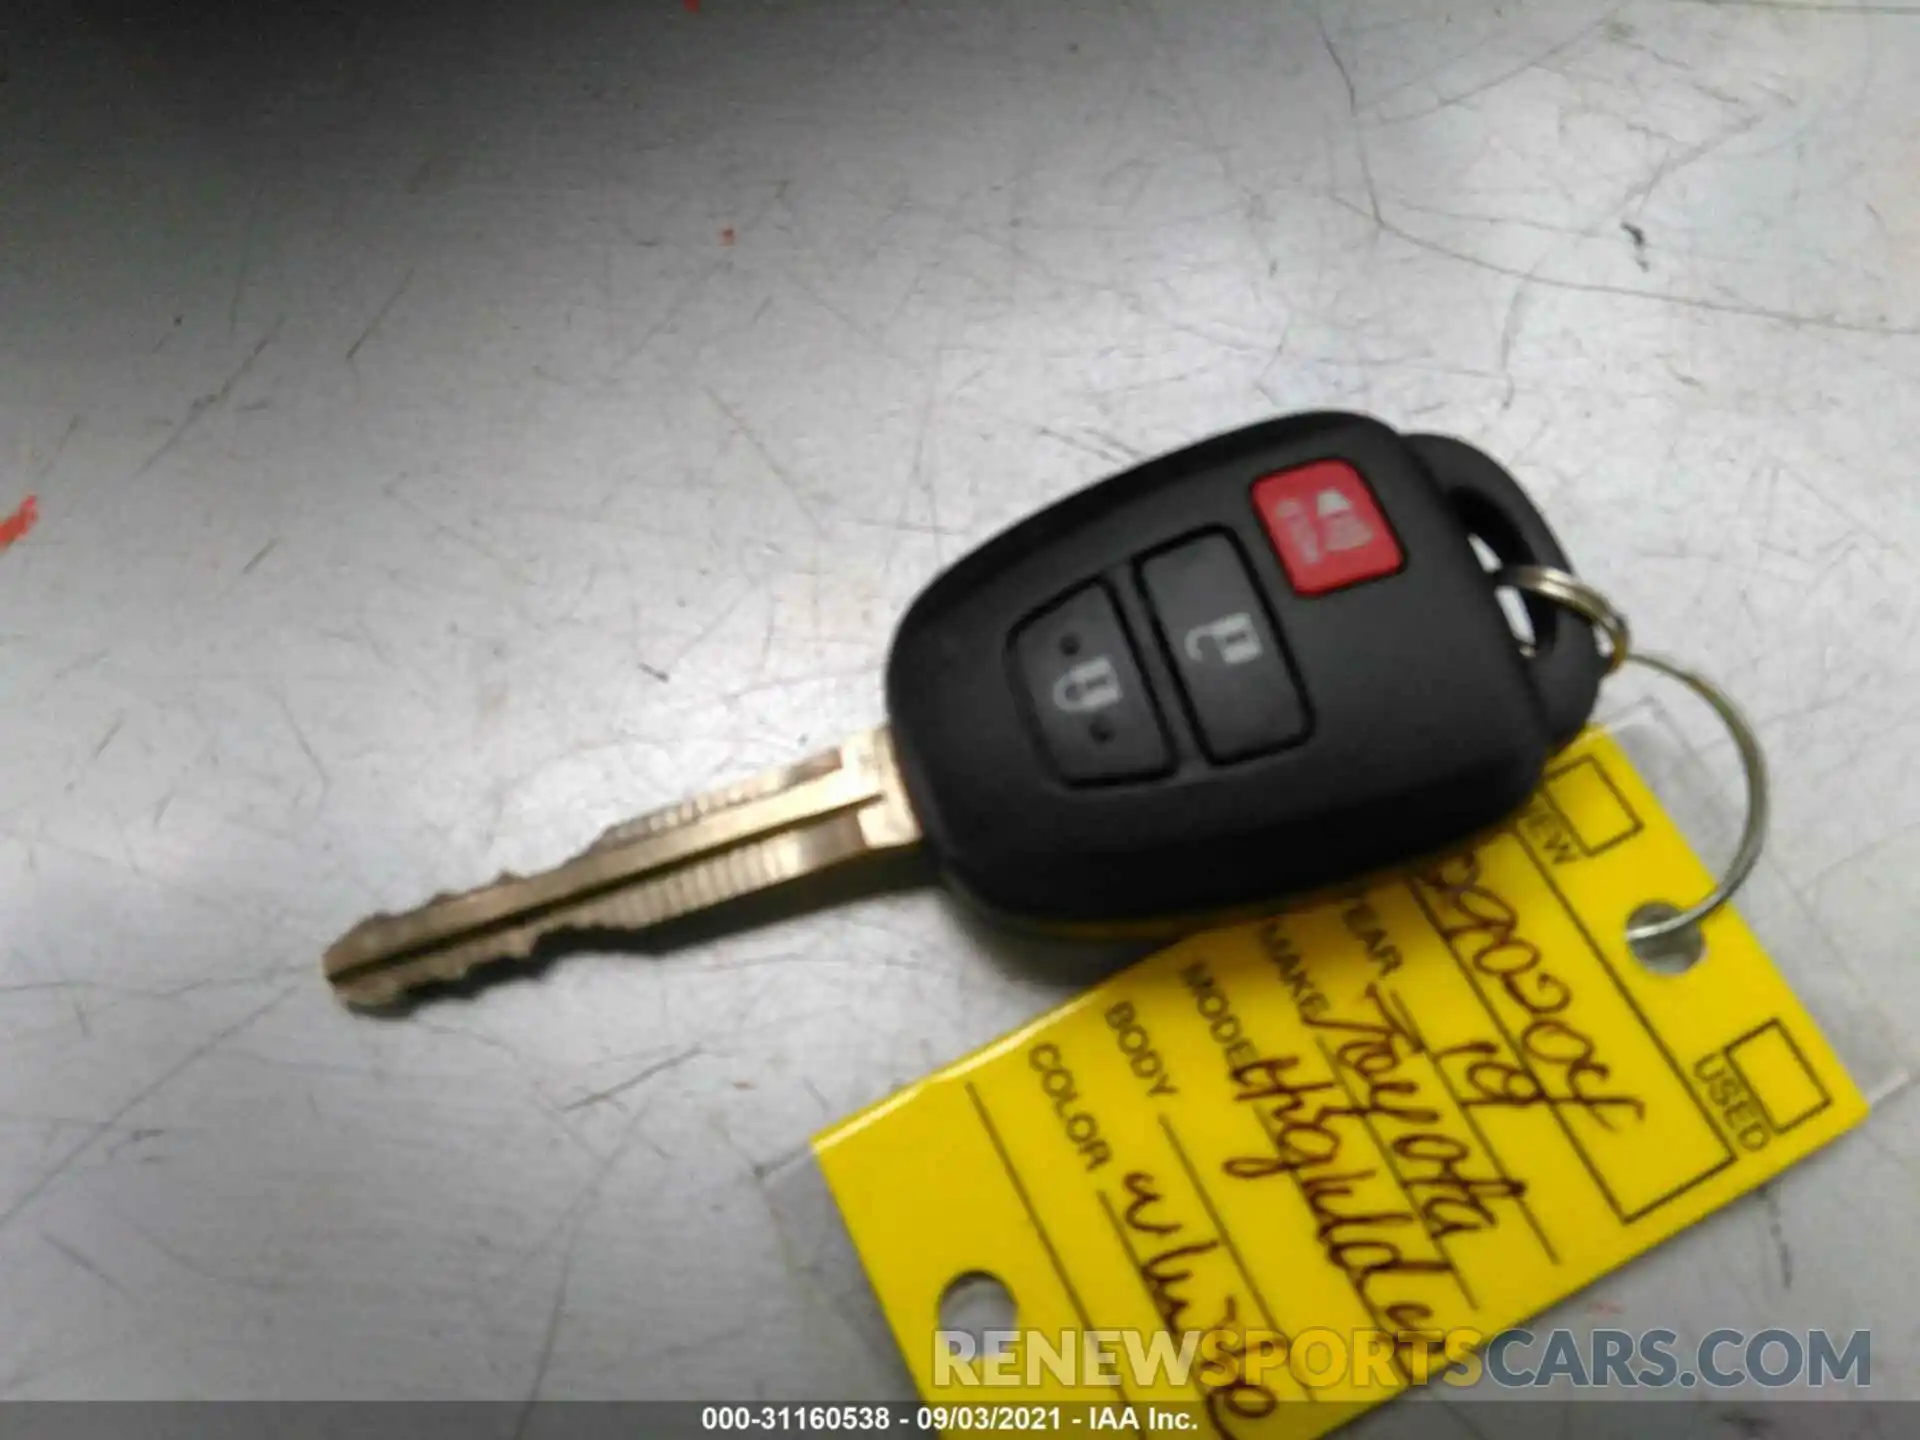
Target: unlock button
1224 649
1086 694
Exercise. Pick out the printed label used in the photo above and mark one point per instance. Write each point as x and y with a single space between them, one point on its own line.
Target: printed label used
1318 1157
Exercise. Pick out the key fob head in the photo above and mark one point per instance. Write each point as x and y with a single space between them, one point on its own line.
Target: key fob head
1252 667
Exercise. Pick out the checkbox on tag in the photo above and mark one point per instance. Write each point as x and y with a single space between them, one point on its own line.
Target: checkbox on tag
1777 1075
1596 812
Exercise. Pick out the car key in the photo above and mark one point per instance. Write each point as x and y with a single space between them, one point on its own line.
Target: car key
1258 665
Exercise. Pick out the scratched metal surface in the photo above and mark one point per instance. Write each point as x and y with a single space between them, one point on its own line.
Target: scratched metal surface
453 434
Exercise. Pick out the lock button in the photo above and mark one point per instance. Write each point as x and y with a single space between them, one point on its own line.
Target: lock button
1233 671
1088 699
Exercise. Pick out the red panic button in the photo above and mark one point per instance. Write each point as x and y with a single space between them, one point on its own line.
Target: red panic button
1325 524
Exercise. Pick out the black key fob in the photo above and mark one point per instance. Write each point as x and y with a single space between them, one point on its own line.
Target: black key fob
1256 666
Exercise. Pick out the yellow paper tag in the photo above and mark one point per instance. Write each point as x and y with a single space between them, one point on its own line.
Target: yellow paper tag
1319 1157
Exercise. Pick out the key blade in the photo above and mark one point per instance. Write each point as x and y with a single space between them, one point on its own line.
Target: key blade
725 797
741 838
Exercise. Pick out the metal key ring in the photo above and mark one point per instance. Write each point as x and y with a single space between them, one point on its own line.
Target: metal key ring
1578 596
1569 590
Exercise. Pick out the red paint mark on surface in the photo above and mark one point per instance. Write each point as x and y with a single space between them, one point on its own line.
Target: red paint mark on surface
693 6
16 525
727 237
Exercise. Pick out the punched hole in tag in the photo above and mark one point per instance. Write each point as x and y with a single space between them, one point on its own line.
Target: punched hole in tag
976 1303
1671 952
